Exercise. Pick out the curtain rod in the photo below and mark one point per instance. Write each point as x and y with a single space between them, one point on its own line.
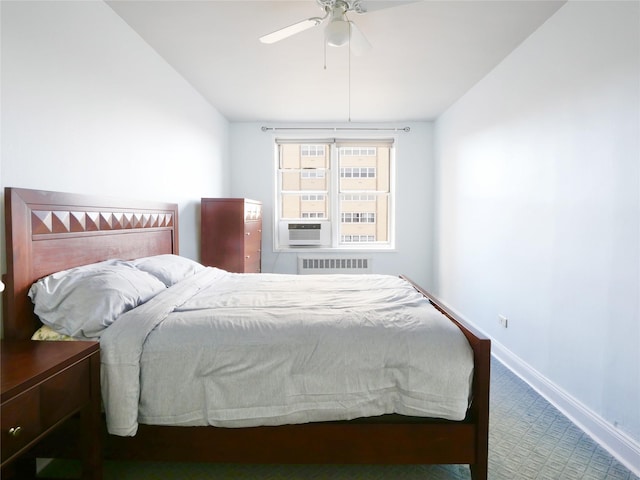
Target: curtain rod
336 129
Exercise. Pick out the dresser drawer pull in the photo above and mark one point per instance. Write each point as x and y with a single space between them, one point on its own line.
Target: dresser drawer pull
248 233
15 431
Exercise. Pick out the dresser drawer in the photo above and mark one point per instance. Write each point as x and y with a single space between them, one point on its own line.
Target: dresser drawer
252 263
252 212
20 422
252 230
56 403
252 246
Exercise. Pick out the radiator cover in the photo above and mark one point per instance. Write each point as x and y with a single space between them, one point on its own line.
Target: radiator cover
314 264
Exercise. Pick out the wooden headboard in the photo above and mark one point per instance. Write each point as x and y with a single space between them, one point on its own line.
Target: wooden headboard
51 231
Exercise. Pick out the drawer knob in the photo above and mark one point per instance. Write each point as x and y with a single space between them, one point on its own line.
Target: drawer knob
248 233
15 431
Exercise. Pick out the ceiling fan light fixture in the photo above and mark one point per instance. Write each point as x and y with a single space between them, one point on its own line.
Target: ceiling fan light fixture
337 32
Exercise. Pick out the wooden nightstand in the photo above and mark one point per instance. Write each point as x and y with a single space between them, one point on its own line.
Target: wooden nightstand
43 385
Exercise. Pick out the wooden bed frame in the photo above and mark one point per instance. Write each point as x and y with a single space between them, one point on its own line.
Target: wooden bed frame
51 231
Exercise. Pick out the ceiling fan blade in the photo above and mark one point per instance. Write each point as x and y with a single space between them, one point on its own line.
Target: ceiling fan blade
365 6
285 32
358 42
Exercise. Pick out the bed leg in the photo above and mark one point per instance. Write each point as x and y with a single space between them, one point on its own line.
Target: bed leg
479 471
480 408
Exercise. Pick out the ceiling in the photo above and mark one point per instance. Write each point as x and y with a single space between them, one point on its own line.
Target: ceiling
425 55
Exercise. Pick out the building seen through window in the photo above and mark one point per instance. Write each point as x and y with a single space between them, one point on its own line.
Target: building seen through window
347 185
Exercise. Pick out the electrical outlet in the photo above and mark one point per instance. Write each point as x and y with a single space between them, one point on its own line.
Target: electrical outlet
503 321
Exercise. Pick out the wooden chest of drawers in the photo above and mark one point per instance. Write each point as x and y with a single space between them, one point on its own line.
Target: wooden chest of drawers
231 234
43 385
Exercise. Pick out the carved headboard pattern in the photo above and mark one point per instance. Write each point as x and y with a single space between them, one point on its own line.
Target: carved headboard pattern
47 232
63 221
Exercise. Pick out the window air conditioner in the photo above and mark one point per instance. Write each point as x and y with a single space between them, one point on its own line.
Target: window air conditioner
305 234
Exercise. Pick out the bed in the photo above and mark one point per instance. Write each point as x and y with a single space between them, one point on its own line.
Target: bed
49 232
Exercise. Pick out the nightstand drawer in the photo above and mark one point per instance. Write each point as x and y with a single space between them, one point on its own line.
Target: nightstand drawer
20 422
43 385
56 402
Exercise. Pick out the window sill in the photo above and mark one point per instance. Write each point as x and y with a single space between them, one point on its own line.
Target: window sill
359 250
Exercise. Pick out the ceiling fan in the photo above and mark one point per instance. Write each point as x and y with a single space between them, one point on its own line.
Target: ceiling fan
339 30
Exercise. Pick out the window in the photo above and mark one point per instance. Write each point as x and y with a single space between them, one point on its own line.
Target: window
313 215
358 198
313 174
358 217
358 172
312 150
357 238
343 185
312 198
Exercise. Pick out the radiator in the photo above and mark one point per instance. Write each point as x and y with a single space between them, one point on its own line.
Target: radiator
308 264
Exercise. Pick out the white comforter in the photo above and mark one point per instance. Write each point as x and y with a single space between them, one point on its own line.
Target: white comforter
238 350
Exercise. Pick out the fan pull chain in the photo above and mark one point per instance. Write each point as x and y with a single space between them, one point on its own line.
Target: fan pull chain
324 46
325 53
349 95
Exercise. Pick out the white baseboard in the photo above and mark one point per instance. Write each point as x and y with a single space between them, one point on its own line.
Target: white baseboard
625 449
622 447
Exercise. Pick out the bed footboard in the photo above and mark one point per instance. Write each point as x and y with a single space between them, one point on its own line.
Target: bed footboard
479 410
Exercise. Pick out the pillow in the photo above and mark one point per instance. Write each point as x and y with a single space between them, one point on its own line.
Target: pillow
45 333
168 268
81 302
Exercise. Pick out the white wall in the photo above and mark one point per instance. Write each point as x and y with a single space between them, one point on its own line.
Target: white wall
539 207
252 175
89 107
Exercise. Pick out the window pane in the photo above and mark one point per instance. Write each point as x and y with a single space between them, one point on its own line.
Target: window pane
297 156
364 193
304 167
304 181
300 206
